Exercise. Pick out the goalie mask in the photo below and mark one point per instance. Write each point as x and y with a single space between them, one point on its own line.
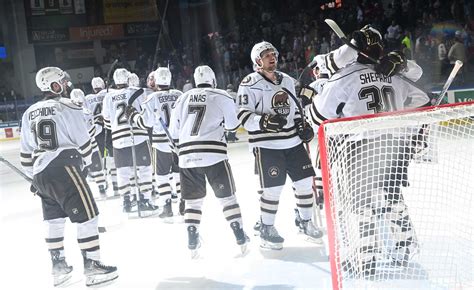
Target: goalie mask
320 70
162 77
77 97
121 76
258 49
46 77
204 75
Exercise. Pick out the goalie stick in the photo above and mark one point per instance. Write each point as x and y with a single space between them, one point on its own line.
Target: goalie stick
22 174
333 25
457 66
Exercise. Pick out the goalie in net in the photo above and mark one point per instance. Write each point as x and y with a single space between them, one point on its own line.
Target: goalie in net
373 187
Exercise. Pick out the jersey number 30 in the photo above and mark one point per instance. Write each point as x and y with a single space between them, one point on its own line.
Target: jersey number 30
380 100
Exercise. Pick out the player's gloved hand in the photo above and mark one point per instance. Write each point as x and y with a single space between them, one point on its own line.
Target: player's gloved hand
306 95
99 120
34 190
130 112
305 132
366 37
391 63
85 171
272 123
174 157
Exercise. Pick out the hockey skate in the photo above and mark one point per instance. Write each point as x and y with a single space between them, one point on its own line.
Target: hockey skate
256 228
97 273
127 204
147 209
270 238
241 238
312 233
61 270
167 212
194 242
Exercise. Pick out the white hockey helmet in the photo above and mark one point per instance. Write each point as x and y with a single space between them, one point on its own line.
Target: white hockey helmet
121 76
257 49
46 76
204 75
162 76
97 83
150 80
133 80
78 97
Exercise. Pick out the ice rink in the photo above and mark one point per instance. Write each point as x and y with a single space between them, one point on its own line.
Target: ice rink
152 254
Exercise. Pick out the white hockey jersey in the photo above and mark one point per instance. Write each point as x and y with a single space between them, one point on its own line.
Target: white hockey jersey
198 122
113 111
357 90
93 104
258 95
158 105
47 128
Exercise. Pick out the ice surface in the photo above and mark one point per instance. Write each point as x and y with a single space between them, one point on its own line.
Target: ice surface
151 254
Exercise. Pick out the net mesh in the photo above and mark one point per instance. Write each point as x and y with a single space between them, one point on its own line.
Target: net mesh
399 199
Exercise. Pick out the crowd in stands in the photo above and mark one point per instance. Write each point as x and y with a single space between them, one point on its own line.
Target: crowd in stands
433 32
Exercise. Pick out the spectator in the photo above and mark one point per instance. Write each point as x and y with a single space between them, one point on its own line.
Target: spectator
457 51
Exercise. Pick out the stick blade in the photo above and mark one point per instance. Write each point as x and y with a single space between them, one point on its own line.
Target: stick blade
335 27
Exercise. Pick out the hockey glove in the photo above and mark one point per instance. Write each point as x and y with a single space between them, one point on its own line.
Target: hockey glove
272 123
305 131
366 37
306 95
391 63
174 158
130 112
34 190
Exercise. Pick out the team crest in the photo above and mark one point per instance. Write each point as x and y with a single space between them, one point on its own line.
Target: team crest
281 103
246 80
273 171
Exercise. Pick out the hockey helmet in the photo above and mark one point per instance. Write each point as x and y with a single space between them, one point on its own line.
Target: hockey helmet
45 77
98 83
121 76
257 49
162 76
77 97
150 80
133 80
204 75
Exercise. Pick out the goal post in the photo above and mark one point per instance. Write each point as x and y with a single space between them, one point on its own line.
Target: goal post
399 198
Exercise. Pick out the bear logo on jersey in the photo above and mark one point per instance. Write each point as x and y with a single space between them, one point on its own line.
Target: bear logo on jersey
281 103
273 171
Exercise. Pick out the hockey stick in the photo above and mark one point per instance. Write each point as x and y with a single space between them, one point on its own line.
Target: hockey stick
316 208
105 153
457 66
14 168
133 97
333 25
167 133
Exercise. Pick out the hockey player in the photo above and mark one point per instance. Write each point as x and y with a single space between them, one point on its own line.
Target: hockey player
199 120
159 105
133 80
357 90
114 106
55 150
275 136
103 135
95 169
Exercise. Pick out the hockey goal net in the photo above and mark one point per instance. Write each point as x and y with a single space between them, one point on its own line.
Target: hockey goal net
399 198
